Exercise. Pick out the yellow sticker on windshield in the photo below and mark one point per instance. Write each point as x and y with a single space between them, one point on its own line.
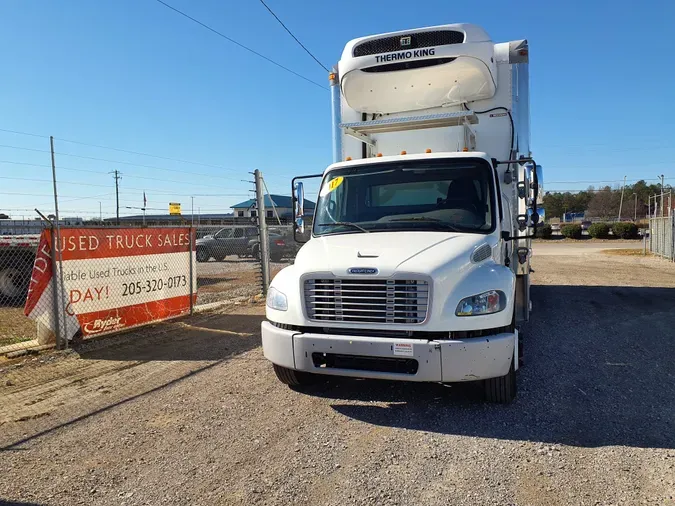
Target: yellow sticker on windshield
332 185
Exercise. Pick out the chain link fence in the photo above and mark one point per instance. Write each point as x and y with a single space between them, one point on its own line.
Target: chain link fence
226 266
103 280
17 255
228 262
661 236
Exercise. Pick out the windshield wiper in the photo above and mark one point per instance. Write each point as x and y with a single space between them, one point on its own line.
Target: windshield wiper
435 221
344 224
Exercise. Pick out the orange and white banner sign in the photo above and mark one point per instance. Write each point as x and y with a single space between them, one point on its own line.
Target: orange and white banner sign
112 278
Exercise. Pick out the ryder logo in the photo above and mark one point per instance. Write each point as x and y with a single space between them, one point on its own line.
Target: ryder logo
98 326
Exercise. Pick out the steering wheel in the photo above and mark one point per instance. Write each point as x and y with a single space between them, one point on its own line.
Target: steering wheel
458 204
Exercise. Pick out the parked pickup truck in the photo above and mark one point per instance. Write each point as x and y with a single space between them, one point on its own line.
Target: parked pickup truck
17 254
240 241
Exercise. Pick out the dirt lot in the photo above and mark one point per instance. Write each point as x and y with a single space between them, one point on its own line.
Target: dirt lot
189 412
15 327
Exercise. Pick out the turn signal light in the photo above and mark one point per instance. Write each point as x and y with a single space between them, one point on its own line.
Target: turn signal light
465 149
379 154
428 150
348 159
404 152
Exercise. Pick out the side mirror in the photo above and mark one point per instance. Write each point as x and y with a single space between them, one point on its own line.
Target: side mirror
535 216
540 179
299 197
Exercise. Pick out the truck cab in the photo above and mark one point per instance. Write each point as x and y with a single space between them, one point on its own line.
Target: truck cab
417 268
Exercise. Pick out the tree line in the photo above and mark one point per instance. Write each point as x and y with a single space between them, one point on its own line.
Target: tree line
604 202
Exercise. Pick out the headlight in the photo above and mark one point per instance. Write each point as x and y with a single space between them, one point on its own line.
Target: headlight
490 302
276 300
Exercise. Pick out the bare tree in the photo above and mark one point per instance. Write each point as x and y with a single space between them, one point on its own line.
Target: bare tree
604 204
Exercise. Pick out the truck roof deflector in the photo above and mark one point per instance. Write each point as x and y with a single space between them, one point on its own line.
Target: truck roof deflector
446 119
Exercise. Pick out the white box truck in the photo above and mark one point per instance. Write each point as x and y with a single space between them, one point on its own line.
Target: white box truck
418 264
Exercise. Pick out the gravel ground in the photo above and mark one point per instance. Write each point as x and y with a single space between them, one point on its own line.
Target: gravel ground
192 414
232 278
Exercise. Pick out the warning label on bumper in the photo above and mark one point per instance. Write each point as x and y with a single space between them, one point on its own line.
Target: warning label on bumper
403 349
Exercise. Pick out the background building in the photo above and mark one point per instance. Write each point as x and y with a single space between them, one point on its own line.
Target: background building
283 205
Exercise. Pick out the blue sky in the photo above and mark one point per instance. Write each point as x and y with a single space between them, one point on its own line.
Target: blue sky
132 74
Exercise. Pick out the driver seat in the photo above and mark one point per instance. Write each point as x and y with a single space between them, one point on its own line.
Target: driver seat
462 194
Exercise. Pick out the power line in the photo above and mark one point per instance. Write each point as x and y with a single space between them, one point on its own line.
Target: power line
117 178
39 195
89 171
294 37
158 190
241 45
155 167
605 181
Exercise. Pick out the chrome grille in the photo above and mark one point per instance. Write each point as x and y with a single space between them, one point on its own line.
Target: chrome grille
397 301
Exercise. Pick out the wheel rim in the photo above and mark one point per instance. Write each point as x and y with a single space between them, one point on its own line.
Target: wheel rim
11 282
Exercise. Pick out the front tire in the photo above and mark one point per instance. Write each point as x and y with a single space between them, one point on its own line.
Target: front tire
501 390
291 377
202 255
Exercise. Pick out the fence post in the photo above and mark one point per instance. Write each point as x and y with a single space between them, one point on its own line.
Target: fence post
663 234
262 232
57 278
192 287
55 299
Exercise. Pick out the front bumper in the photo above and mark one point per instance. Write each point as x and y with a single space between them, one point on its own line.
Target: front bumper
389 358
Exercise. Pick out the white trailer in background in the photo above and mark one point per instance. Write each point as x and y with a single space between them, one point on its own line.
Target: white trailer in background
418 265
17 254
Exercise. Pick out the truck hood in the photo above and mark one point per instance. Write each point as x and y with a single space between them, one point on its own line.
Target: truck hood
389 252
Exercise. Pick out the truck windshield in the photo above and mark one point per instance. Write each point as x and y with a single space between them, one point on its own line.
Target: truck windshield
439 195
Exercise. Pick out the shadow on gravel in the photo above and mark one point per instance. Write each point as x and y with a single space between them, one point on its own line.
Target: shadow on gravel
599 371
212 337
18 503
203 281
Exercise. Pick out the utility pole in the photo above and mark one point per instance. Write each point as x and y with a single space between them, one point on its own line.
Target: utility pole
117 176
274 207
622 190
635 209
57 248
262 231
661 176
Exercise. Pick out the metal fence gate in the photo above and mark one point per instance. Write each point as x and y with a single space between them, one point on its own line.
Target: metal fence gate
661 236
